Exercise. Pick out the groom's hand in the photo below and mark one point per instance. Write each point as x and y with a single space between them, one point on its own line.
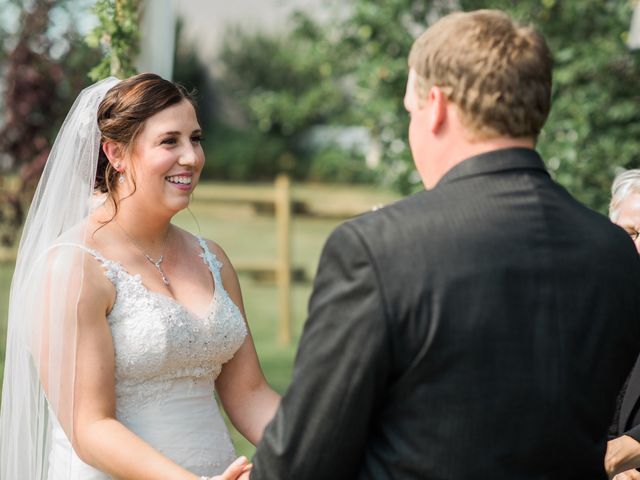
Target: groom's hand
628 475
623 454
238 470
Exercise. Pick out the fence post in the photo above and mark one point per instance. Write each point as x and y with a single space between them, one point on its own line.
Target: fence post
283 262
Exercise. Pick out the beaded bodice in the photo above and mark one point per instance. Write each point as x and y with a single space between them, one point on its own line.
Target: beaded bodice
157 341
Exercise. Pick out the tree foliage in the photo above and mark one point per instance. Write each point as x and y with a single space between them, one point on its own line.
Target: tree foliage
284 84
118 34
287 83
37 93
193 74
594 127
353 69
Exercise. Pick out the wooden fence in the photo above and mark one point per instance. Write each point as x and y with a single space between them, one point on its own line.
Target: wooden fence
279 203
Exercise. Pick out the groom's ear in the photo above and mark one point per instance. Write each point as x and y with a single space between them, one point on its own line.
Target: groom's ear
114 152
438 112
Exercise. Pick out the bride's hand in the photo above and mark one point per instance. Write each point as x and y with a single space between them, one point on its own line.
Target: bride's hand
628 475
238 470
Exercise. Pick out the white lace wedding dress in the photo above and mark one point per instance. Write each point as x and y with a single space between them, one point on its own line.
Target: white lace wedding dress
166 359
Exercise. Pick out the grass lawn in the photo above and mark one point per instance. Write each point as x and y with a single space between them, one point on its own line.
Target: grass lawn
246 236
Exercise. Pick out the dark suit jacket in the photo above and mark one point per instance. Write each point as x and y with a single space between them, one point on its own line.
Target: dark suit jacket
479 330
628 419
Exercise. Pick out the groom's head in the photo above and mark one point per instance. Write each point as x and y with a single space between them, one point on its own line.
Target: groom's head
477 77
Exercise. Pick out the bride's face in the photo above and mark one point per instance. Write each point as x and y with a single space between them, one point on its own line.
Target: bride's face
167 158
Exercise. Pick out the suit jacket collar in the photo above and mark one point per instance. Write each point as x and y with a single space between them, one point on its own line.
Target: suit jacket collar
495 161
630 398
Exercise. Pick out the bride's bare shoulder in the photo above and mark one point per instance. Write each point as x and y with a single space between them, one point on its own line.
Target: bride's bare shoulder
73 262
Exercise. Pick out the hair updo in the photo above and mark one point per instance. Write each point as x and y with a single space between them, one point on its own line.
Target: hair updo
123 111
624 184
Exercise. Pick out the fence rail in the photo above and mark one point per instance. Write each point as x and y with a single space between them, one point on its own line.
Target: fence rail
277 201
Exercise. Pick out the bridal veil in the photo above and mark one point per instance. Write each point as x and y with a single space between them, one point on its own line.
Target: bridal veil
39 375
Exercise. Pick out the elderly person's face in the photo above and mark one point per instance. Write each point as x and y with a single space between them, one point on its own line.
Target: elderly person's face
629 217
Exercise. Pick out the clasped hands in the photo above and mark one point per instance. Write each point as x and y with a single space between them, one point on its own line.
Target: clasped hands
622 458
238 470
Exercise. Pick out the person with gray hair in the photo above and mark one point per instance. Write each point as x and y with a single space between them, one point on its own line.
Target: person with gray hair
624 208
623 451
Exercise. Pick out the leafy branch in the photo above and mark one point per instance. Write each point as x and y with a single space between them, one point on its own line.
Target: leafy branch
118 34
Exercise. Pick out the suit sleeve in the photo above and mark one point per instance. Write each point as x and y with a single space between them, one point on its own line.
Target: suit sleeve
634 433
321 428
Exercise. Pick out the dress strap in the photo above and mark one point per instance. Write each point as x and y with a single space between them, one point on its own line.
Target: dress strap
111 269
94 253
211 261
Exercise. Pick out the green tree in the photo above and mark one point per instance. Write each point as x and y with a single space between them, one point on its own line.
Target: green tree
284 84
190 71
118 34
594 128
375 40
37 93
354 68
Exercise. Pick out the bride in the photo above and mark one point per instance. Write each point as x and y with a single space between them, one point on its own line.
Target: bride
120 323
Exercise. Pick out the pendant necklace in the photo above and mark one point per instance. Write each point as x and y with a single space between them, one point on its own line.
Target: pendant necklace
156 263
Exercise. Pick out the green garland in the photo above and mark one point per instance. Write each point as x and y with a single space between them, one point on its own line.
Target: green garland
118 34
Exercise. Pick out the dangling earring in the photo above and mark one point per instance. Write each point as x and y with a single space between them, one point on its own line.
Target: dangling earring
121 173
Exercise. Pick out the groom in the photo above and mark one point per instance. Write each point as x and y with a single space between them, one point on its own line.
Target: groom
482 328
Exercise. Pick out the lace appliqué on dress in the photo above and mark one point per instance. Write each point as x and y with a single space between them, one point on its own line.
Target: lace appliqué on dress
157 341
166 362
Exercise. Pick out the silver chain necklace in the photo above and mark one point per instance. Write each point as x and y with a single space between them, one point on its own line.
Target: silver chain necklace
156 263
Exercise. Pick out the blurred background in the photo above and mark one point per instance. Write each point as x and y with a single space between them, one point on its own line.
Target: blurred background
305 91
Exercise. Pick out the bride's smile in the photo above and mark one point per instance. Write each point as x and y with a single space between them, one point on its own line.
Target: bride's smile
180 180
164 165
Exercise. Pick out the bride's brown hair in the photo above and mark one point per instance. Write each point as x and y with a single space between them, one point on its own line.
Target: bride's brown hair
122 113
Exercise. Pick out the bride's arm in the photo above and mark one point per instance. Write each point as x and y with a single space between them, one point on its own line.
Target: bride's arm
244 392
97 436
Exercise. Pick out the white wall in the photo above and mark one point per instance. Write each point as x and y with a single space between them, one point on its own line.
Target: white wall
206 20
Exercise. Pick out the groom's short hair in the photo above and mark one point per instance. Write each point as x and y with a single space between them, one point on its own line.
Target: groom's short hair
497 72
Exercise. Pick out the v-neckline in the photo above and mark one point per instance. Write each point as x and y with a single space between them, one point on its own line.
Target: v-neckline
138 279
176 303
